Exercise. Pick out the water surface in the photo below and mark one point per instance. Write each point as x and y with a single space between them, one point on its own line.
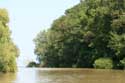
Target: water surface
62 75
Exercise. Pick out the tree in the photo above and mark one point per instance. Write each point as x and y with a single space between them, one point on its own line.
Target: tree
8 50
88 31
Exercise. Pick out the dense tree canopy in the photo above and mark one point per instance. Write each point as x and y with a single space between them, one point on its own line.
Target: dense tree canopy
88 32
8 50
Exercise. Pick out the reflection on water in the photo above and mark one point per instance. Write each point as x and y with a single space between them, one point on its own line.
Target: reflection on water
7 78
48 75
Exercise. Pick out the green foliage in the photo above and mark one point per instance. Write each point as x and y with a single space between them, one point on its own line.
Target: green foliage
32 64
8 51
103 63
117 43
123 62
90 30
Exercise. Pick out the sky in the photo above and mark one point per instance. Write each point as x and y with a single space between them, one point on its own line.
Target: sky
28 18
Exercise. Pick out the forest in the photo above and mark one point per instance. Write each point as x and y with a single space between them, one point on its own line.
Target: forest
62 41
89 35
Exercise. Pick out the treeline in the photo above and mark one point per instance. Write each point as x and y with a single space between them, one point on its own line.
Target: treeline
91 34
8 50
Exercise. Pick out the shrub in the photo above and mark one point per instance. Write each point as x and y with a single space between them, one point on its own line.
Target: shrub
103 63
33 64
122 62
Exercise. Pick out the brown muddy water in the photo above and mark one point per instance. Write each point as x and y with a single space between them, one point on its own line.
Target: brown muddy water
63 75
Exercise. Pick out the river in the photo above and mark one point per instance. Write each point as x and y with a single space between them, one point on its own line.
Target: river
62 75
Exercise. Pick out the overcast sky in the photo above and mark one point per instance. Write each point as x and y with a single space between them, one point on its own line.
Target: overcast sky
28 18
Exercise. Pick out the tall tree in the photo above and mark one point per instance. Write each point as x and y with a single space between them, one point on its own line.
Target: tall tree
8 50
